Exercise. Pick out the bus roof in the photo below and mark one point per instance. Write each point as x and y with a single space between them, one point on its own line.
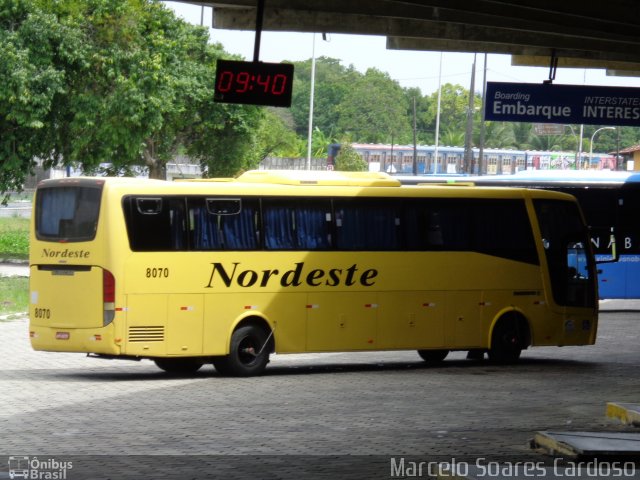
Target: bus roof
319 177
305 183
537 177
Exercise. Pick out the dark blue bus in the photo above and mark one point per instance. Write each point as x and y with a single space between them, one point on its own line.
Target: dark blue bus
608 199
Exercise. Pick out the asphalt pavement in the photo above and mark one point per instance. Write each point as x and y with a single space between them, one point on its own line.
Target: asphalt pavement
319 416
14 269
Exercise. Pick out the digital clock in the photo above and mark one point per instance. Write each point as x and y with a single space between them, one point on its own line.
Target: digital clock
254 83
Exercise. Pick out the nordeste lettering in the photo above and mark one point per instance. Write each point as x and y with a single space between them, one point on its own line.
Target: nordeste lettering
235 275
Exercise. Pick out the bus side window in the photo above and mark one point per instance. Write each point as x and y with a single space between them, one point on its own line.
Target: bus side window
278 223
240 230
155 224
313 225
434 230
502 229
421 226
204 225
304 225
367 225
223 223
448 225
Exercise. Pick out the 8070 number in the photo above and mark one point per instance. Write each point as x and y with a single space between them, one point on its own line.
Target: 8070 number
160 272
42 313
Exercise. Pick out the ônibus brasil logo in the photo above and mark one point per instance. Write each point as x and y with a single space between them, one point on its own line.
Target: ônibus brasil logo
21 466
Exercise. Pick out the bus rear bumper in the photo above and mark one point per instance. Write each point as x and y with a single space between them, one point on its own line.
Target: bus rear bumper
84 340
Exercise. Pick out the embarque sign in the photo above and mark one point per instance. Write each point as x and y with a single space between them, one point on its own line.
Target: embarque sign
563 104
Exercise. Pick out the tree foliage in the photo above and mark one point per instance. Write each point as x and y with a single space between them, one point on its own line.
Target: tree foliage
375 111
348 160
36 51
276 136
332 86
123 82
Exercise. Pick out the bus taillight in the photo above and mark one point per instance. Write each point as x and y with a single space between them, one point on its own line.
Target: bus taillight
108 296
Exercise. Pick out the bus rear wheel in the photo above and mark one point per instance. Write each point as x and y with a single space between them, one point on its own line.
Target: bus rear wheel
248 353
179 366
433 356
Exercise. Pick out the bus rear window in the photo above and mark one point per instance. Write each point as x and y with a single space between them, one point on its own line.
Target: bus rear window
67 213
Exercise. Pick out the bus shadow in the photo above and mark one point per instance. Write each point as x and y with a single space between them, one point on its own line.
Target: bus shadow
454 366
473 367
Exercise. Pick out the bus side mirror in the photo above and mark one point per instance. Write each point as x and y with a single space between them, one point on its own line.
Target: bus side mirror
608 253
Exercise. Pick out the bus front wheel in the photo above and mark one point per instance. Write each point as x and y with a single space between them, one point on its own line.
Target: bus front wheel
248 353
506 342
433 356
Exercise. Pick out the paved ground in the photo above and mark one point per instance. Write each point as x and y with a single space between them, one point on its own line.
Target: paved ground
11 269
310 416
16 209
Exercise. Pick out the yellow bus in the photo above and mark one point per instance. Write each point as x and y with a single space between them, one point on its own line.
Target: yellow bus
230 271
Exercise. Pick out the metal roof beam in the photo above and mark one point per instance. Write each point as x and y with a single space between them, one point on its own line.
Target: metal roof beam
495 40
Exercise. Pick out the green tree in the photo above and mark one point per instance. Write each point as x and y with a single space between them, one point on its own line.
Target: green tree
123 82
348 160
452 138
320 142
275 136
150 94
424 124
522 134
375 111
546 142
499 135
36 51
454 101
332 85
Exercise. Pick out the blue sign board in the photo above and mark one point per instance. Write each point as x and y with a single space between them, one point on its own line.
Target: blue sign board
564 104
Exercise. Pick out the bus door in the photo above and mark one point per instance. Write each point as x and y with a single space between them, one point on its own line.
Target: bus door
565 241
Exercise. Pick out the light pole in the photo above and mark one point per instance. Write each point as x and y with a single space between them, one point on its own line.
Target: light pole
591 144
435 152
578 146
468 141
311 99
312 92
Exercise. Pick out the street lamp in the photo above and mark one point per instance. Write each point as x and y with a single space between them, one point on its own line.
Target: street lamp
591 145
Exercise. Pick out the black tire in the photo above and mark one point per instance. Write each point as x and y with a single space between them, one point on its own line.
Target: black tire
248 354
506 343
179 366
433 356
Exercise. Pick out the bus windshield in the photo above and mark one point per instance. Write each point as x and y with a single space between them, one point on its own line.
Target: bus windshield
565 242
